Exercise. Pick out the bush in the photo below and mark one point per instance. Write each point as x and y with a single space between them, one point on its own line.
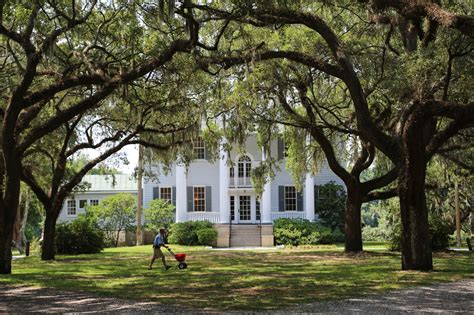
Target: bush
301 232
331 204
114 214
80 236
159 214
374 234
338 236
185 233
207 236
440 231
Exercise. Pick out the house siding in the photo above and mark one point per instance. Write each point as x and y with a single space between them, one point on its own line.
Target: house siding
203 173
64 217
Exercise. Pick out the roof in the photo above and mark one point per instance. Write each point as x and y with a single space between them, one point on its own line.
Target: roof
117 182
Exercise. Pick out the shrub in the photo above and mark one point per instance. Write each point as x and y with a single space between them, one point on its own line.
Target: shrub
440 231
80 236
330 205
338 236
207 236
159 214
115 214
301 232
185 233
376 234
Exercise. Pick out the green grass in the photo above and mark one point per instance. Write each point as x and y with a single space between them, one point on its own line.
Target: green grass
243 280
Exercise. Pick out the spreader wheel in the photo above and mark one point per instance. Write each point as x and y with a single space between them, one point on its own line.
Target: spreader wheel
182 265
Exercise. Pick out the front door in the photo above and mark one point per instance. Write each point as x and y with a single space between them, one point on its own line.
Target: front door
241 209
245 209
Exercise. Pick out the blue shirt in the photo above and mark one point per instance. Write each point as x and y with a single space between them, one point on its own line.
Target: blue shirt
158 240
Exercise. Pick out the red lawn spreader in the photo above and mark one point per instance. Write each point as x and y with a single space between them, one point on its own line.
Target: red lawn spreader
180 258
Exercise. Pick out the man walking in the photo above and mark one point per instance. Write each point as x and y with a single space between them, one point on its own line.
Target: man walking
157 253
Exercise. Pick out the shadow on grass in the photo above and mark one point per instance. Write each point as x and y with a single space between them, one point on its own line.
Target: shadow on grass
232 280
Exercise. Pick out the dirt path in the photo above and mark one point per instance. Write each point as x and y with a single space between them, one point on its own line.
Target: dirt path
448 298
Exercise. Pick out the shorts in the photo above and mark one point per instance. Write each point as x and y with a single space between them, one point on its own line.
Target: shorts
157 253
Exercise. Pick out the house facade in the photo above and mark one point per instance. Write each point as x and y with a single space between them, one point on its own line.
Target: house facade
223 194
101 186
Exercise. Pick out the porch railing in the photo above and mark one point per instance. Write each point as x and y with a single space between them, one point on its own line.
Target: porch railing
212 217
240 182
289 215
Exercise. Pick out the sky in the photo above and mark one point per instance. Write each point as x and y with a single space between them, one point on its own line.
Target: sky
131 151
132 156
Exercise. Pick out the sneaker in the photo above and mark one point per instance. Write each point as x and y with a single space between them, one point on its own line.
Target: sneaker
168 267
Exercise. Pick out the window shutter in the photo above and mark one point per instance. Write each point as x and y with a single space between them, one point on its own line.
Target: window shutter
156 192
208 199
281 198
281 149
173 195
299 201
206 153
190 197
316 196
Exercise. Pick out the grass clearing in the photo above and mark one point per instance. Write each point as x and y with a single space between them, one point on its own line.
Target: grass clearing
231 280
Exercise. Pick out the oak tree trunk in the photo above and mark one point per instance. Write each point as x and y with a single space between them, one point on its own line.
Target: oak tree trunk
416 241
49 236
8 210
5 249
352 221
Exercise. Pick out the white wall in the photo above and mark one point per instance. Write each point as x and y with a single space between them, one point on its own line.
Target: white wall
203 173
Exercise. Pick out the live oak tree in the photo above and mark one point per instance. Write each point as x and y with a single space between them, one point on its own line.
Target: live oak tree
81 52
107 131
310 110
406 71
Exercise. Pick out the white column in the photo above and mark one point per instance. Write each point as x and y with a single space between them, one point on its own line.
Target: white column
224 214
309 197
181 193
266 204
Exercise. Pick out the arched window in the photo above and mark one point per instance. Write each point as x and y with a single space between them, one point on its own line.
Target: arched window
244 167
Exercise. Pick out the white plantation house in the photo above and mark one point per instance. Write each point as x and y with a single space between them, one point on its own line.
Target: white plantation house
100 187
224 195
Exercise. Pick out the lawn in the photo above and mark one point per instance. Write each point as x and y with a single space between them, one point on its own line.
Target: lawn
237 280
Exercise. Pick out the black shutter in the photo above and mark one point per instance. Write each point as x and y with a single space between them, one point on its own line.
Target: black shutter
316 196
281 198
190 197
299 201
156 192
173 195
281 149
208 199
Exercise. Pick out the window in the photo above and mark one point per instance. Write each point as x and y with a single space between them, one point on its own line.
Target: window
165 194
232 208
71 207
82 204
244 166
290 198
199 149
94 202
199 198
257 210
231 172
